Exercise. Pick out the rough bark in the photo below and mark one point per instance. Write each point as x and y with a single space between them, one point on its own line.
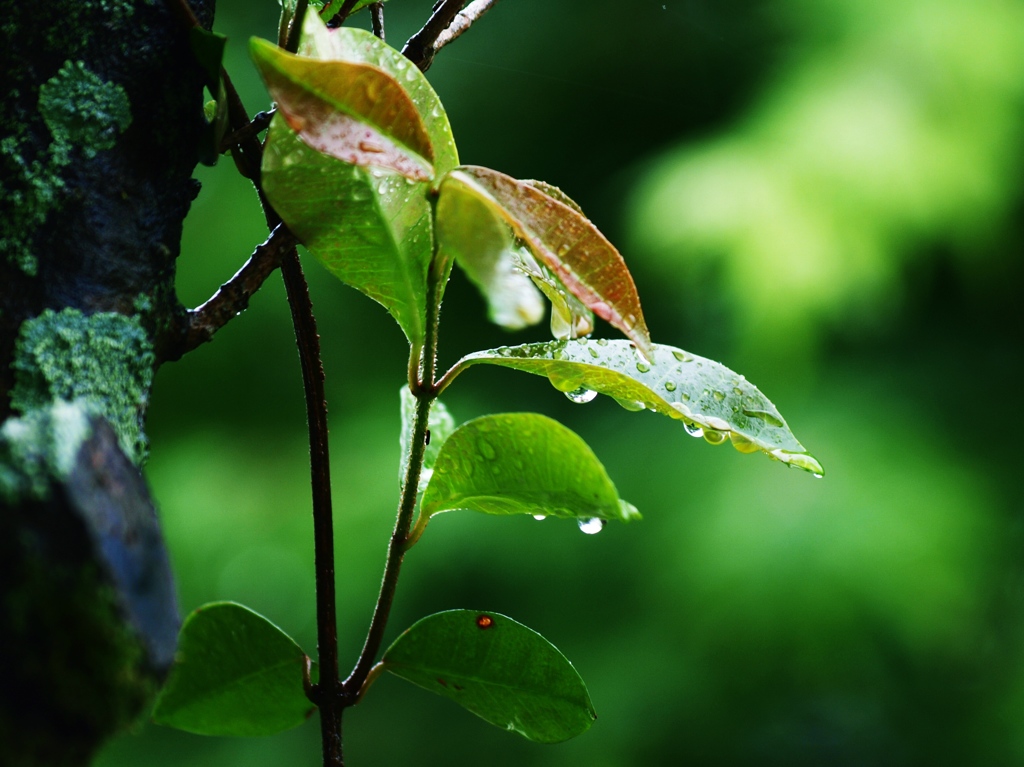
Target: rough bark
99 134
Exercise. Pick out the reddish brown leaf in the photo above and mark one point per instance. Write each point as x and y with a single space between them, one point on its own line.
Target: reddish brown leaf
570 246
355 112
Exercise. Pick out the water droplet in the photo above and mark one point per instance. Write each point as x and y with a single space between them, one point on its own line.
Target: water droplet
717 395
737 390
558 354
799 460
602 342
679 407
581 395
371 146
540 517
742 444
643 367
593 352
693 429
717 423
685 396
682 356
631 405
764 415
713 437
670 385
487 449
411 74
591 526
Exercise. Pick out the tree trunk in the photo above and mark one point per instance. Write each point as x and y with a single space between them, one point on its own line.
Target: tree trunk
100 130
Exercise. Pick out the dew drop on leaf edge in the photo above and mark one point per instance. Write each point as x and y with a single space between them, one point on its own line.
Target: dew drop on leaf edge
693 429
581 395
591 526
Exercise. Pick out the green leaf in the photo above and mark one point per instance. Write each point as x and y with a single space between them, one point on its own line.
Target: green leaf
711 400
566 243
354 112
208 48
358 45
500 670
471 232
236 673
522 463
440 425
372 229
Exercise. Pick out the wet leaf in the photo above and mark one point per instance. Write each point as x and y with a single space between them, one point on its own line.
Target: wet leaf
522 463
360 46
235 673
439 422
567 243
708 397
502 671
352 111
471 231
371 228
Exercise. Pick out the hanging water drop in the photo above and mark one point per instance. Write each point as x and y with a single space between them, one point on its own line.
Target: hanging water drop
581 395
591 526
713 437
540 517
693 429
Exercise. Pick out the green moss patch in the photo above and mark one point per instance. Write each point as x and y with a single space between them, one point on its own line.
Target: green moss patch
104 359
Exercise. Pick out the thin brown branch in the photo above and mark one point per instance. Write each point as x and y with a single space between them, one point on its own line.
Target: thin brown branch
308 341
420 47
463 21
291 43
377 19
233 296
339 18
259 123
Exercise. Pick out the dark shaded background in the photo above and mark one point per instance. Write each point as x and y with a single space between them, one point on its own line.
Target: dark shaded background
825 195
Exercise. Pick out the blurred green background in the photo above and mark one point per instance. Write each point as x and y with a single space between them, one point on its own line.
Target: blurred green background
826 195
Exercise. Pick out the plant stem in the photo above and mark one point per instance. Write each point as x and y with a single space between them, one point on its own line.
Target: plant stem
462 21
419 48
423 360
377 19
327 695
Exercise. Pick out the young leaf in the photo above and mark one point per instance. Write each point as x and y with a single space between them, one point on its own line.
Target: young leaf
565 241
208 48
500 670
471 232
360 46
372 229
521 463
236 673
354 112
710 399
440 425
